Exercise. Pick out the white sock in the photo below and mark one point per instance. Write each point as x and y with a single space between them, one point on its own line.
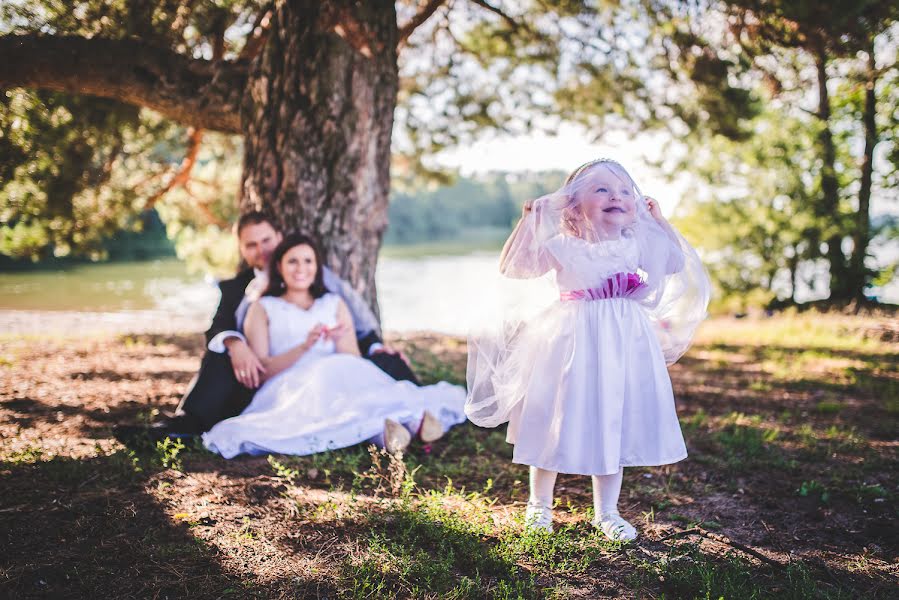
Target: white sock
542 484
606 489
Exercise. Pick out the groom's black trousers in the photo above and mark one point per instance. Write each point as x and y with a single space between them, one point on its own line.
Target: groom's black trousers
215 394
394 366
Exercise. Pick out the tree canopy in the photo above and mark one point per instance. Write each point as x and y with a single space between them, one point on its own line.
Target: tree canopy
112 107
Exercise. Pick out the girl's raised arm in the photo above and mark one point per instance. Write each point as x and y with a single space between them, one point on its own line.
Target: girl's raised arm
522 257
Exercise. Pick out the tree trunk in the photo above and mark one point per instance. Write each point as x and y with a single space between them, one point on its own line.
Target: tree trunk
861 236
830 199
317 122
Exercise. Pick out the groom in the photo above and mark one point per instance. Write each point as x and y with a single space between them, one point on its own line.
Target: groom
230 371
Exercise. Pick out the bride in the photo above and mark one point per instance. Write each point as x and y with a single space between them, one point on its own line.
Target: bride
319 394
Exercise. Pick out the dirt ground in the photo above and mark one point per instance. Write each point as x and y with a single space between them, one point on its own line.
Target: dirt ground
789 491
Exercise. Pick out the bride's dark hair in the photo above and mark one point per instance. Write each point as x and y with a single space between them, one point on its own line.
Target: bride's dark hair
276 285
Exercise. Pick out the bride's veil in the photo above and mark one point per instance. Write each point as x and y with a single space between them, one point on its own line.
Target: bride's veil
673 287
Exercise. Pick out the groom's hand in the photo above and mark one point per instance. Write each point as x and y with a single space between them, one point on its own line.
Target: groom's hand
247 368
391 351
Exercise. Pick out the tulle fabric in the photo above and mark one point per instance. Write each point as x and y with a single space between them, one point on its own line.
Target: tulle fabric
586 410
562 262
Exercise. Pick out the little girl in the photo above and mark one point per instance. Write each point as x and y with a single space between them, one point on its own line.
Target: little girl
584 385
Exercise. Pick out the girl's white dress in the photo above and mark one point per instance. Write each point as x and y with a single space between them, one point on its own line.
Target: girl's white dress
587 379
325 400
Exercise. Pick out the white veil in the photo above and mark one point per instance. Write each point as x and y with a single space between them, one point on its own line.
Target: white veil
669 281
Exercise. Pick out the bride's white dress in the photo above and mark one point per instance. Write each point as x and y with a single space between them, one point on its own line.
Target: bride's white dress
325 400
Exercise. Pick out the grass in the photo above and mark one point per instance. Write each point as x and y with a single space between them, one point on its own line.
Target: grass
745 439
421 548
685 571
792 457
167 453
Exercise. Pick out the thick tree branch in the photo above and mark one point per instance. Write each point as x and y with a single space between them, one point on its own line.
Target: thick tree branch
423 15
195 92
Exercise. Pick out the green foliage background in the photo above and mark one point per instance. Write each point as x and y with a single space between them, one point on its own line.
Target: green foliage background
731 84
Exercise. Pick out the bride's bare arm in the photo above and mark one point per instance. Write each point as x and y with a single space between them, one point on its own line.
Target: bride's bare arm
345 339
256 330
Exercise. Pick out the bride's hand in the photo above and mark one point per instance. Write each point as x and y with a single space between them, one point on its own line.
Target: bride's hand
314 335
334 333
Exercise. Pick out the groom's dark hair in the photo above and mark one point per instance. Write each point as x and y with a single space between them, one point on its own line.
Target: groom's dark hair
276 285
254 217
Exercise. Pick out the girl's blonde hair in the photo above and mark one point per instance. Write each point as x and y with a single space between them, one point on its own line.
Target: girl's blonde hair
574 221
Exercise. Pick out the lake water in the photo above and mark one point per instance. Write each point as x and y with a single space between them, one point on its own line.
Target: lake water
436 293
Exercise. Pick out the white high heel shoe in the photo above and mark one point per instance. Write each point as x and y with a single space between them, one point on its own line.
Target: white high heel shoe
396 437
431 429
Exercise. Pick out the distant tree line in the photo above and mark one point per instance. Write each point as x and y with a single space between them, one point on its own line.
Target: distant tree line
479 208
145 240
474 208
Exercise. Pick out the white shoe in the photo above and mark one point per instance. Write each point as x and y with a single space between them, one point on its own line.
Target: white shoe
396 437
431 429
537 516
615 527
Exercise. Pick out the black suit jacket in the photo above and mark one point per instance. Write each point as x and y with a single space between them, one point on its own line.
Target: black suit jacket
232 295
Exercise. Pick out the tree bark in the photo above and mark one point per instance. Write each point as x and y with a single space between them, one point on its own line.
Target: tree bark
201 93
317 124
830 199
861 236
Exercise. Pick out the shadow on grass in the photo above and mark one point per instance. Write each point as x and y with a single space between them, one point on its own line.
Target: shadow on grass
26 411
865 396
686 569
115 376
775 351
187 342
88 529
417 551
408 553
